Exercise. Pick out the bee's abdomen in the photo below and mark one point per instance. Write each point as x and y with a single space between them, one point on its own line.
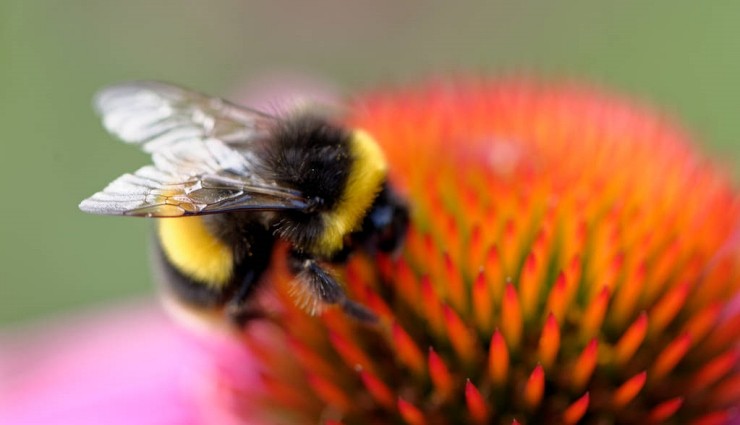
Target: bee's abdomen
195 252
207 261
183 288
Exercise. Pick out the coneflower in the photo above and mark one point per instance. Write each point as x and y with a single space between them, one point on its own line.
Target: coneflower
571 259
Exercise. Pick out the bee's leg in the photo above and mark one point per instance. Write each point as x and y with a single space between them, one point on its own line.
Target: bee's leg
237 309
248 271
315 287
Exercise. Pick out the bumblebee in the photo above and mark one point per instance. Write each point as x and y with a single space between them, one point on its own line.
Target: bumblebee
227 182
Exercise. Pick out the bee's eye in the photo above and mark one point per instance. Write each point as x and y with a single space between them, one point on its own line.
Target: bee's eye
390 222
381 217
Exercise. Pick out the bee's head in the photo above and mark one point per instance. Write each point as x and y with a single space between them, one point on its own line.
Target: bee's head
385 225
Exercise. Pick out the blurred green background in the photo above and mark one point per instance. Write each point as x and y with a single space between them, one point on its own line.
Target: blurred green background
55 54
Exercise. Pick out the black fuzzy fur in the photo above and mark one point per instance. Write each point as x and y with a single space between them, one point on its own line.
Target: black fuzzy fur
312 156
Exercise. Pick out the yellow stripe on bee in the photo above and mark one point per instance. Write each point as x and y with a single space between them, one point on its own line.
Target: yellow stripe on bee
195 252
367 173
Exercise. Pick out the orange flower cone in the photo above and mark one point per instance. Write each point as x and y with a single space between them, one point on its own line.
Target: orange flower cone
571 259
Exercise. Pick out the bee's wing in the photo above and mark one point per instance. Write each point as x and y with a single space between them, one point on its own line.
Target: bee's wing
190 178
203 153
150 192
156 116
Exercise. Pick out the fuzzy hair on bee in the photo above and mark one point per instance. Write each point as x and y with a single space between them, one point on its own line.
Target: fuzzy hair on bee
227 182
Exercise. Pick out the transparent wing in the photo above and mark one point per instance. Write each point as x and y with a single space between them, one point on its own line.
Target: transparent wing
157 116
151 192
203 152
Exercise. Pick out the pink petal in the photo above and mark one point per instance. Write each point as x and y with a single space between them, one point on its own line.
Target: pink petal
126 365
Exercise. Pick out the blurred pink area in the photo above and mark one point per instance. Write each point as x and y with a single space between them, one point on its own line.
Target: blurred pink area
124 365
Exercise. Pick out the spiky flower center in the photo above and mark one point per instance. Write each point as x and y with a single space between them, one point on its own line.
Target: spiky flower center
570 261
